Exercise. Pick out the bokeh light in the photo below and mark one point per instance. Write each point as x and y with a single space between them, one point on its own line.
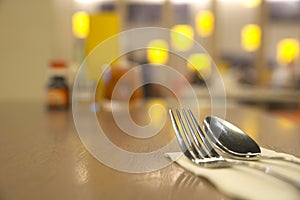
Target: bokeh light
157 52
251 3
182 37
157 111
201 64
80 24
205 23
287 50
251 37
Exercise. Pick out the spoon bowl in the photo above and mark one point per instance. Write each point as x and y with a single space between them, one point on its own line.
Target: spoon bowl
229 139
234 143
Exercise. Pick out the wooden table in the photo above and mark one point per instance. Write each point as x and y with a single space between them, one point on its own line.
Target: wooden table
42 157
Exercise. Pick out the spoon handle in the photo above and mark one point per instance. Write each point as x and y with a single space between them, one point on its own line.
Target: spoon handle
282 158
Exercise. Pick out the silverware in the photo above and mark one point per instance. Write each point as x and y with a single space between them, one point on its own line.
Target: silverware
225 137
195 147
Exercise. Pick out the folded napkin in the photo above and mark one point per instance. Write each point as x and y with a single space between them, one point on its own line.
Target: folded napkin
245 183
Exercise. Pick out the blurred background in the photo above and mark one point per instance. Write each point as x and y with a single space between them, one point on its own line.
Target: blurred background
254 44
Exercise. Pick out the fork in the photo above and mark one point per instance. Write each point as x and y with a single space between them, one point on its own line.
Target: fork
196 147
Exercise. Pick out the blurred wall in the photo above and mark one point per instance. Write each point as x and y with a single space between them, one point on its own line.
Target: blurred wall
233 16
32 33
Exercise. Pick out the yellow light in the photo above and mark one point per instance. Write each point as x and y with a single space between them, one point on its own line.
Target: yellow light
200 63
80 21
157 52
157 111
286 124
251 3
205 23
182 37
251 37
287 50
250 125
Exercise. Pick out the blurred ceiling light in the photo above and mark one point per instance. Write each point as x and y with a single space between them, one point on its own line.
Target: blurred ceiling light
157 52
80 24
251 3
205 23
201 64
287 50
251 37
182 37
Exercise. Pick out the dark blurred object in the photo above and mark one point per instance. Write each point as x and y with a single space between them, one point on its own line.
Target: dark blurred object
107 7
285 76
195 79
142 13
243 68
181 14
57 88
284 10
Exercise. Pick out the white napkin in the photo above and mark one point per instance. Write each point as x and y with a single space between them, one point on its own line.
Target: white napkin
245 183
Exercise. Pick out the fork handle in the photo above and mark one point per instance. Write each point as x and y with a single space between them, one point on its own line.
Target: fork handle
282 158
268 170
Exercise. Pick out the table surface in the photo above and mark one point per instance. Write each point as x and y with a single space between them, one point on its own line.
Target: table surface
42 157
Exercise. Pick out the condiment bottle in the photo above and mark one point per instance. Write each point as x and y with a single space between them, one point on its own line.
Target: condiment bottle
57 88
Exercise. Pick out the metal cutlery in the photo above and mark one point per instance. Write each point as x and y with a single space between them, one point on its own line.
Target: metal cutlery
196 147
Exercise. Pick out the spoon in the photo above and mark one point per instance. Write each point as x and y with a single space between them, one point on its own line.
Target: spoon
233 142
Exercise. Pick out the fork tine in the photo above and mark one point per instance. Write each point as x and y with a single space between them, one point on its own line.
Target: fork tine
206 145
202 152
179 137
187 137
